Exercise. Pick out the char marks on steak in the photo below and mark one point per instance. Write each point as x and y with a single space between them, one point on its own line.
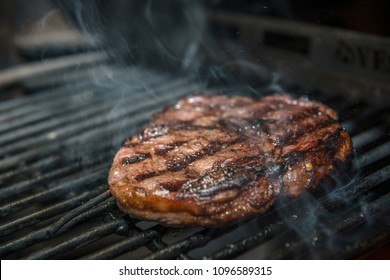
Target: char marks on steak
211 160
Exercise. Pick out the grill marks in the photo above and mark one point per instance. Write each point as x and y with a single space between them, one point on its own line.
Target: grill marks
177 164
169 147
135 158
176 158
213 160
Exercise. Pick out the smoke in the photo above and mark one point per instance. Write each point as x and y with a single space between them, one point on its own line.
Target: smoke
173 37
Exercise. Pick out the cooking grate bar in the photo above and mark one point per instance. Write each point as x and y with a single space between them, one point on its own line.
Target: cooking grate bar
52 168
369 136
264 234
70 96
96 125
375 154
82 213
77 183
22 186
80 121
71 146
354 189
124 246
67 221
49 212
36 132
31 112
34 168
60 110
14 105
86 237
197 240
58 162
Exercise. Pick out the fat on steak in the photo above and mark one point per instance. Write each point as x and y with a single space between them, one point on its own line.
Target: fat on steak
212 160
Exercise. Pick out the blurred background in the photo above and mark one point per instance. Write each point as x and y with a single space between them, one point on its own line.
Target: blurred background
43 27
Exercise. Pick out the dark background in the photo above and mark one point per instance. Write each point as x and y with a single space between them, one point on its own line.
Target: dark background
127 22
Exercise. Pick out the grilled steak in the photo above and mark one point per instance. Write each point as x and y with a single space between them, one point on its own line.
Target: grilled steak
211 160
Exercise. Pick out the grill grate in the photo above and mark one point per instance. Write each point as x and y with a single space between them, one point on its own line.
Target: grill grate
57 145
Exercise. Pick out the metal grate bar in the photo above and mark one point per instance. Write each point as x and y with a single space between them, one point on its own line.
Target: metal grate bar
42 96
355 189
152 241
64 223
18 73
197 240
54 171
80 121
369 136
174 251
36 131
124 246
378 153
85 214
37 167
22 186
77 183
272 229
43 152
97 125
81 104
31 112
85 238
48 212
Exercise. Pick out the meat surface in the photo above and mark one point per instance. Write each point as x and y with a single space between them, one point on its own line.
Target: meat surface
212 160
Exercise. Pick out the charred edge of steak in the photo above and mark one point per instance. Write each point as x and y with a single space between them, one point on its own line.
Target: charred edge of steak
290 138
328 155
330 146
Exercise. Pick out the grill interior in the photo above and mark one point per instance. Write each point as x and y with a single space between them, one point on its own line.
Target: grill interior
57 143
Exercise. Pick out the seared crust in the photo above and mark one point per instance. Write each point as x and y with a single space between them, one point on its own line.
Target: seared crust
211 160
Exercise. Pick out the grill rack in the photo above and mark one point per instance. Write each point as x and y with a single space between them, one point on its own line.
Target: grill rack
57 146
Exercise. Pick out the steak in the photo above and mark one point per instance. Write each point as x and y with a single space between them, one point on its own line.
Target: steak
212 160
